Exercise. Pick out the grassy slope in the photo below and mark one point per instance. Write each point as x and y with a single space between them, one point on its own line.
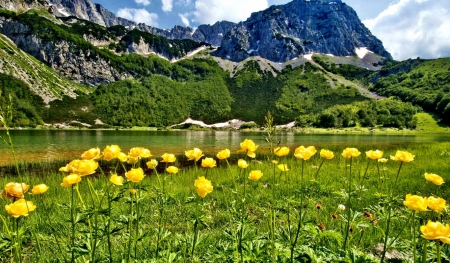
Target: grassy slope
41 79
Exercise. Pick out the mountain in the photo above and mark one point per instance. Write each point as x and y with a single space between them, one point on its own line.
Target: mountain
284 32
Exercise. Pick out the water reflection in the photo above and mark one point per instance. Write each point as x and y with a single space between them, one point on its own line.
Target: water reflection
68 144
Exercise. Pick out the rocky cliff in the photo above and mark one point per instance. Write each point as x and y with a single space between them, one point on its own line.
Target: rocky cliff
281 33
83 66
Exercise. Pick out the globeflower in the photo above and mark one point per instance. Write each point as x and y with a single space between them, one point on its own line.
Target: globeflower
139 152
16 190
326 154
91 154
283 167
436 231
403 156
350 153
111 152
436 204
172 169
208 163
242 163
416 203
168 158
123 157
374 155
116 179
281 151
249 147
224 154
194 154
70 180
434 178
152 164
255 175
382 160
135 175
203 186
305 153
39 189
80 167
20 208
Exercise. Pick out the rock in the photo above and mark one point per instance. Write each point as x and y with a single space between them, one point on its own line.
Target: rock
284 32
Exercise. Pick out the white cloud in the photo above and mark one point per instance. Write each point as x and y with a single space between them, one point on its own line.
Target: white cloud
144 2
184 19
211 11
139 16
414 28
167 5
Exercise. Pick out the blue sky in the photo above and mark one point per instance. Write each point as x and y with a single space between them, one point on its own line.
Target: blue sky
408 28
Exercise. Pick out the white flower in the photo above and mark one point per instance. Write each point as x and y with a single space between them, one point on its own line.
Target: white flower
341 207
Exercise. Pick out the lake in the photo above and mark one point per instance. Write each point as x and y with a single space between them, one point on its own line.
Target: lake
69 144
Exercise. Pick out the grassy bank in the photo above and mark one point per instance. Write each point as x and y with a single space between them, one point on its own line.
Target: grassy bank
241 219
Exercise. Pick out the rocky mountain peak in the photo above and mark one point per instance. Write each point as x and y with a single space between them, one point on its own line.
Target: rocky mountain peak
284 32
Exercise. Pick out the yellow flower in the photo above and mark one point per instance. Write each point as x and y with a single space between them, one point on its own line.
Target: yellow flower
70 180
350 153
283 167
123 157
434 178
80 167
39 189
168 158
403 156
224 154
281 151
416 203
436 204
274 161
111 152
305 153
172 169
194 154
255 175
133 191
91 154
20 208
135 175
436 231
327 154
16 190
203 186
242 163
116 179
249 147
132 159
208 163
139 152
382 160
152 164
374 155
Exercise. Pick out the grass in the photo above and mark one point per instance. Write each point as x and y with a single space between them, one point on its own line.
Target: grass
225 217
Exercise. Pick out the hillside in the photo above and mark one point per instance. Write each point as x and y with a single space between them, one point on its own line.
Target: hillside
139 79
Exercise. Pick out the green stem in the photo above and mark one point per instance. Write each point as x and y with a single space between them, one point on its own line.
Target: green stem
129 229
138 196
414 236
194 242
300 221
347 227
241 231
386 234
19 240
438 251
108 233
73 224
320 166
272 217
365 172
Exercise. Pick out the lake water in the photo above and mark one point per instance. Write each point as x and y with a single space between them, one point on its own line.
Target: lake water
69 144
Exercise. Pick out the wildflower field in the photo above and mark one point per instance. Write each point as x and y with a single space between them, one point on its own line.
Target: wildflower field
261 203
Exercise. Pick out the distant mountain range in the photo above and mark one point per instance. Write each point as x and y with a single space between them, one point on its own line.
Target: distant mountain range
279 33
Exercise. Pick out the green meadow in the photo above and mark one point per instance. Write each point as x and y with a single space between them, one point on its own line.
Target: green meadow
317 210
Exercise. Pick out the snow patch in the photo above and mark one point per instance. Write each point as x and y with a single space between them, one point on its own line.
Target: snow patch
331 55
234 123
308 56
63 12
361 52
220 35
289 125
